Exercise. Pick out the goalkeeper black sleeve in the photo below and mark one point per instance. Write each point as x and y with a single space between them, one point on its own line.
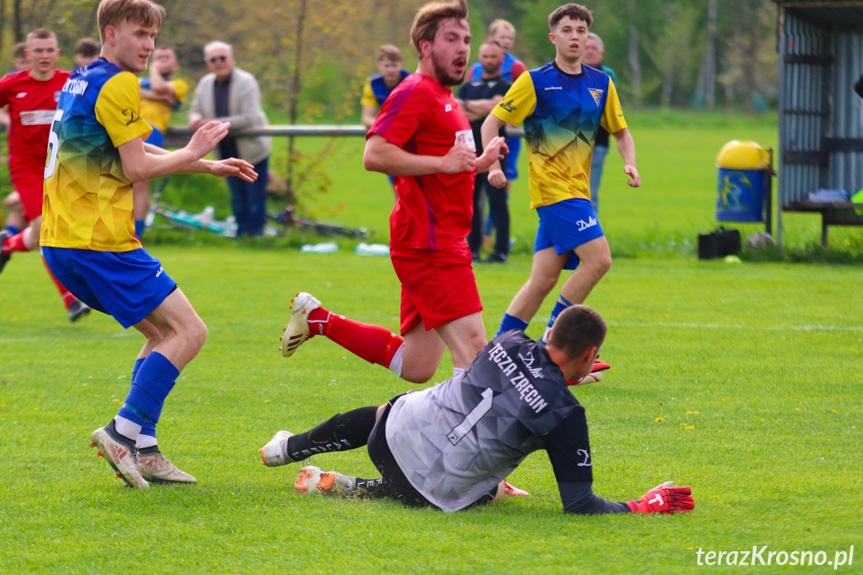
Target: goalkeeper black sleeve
578 497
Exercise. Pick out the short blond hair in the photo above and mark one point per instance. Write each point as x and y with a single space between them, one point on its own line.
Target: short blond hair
429 17
115 12
40 34
498 24
389 52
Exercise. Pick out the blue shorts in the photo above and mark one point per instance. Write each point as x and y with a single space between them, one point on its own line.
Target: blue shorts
510 170
565 226
125 285
156 138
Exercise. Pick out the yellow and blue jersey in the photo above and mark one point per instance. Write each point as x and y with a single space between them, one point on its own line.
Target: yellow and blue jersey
561 114
87 197
376 91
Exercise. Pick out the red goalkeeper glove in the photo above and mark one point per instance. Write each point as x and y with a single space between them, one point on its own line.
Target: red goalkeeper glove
594 376
664 498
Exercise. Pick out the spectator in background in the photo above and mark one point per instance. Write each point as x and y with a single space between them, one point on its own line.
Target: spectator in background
477 99
19 57
86 50
12 206
161 95
378 87
594 52
230 94
502 33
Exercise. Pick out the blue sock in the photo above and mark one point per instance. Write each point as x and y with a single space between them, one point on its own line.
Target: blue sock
148 427
153 382
560 305
140 227
136 367
13 231
510 322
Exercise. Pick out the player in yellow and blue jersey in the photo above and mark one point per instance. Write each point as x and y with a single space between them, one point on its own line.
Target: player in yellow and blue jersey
562 105
96 151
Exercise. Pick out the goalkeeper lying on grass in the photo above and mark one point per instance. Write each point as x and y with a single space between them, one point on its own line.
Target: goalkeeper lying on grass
453 445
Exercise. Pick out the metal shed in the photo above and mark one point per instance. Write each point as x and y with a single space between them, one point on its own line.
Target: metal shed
820 48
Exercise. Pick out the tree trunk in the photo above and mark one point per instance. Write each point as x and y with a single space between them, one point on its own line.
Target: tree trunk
634 64
668 73
296 86
749 60
2 20
17 36
710 71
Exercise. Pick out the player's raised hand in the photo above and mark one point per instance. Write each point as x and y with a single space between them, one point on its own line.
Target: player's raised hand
664 498
207 136
234 167
460 158
631 171
494 152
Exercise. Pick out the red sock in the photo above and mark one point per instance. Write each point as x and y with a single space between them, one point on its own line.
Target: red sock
16 243
373 343
67 296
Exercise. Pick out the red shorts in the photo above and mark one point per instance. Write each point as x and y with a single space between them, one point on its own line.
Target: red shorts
30 190
438 286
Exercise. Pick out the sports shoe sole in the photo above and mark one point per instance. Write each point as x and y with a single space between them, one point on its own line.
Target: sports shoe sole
297 331
309 476
119 457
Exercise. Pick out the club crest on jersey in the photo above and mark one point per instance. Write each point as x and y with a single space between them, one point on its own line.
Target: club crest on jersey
508 106
597 94
133 116
447 108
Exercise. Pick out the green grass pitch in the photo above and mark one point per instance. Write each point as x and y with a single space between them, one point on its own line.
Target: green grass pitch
740 380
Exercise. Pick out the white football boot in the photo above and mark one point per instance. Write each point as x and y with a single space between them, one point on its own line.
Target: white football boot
157 468
275 452
119 452
297 331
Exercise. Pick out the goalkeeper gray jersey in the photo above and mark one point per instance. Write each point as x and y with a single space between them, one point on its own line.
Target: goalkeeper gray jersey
457 440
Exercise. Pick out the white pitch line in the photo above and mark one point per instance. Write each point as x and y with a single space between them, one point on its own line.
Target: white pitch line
693 325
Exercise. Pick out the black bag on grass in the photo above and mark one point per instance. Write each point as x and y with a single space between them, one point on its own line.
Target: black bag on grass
718 244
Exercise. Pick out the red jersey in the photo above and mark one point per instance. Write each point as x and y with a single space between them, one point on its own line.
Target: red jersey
32 104
434 211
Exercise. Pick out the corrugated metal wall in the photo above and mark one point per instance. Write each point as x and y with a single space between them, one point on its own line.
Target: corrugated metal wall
818 69
846 167
803 105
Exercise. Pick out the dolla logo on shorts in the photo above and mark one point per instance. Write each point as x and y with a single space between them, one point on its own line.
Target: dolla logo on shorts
582 225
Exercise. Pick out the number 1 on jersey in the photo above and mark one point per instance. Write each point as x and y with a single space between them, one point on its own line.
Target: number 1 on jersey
472 418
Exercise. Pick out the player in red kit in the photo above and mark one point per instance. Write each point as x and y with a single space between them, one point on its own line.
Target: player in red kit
32 99
422 138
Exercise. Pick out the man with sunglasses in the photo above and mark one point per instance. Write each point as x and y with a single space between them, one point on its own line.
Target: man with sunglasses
232 95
